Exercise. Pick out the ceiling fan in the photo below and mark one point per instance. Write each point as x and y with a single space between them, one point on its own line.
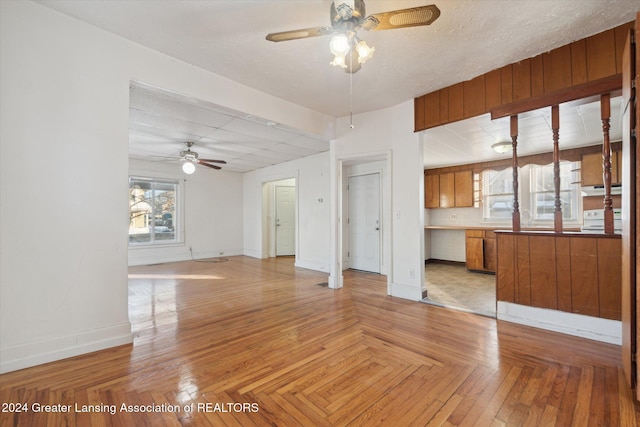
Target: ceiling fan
347 17
190 160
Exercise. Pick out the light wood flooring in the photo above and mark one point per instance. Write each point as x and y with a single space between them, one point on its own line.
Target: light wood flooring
454 286
259 342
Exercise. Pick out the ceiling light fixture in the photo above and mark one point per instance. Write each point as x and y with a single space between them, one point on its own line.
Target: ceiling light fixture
347 17
502 147
188 167
348 43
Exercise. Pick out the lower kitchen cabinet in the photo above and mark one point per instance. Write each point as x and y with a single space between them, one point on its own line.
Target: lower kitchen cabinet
480 250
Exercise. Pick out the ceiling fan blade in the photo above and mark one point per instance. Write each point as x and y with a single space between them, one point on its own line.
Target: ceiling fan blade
200 162
299 34
213 161
411 17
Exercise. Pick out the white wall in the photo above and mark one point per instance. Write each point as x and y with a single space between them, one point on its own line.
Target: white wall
210 214
63 175
386 134
312 210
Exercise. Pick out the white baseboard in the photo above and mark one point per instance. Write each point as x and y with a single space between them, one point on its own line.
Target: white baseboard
407 292
252 253
34 353
595 328
310 265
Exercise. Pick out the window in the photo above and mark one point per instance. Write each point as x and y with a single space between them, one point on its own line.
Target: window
152 211
543 194
498 194
536 193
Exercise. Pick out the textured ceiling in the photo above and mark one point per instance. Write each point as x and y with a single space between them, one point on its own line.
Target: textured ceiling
469 38
161 122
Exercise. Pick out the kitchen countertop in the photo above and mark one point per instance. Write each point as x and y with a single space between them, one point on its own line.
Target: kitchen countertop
496 227
462 227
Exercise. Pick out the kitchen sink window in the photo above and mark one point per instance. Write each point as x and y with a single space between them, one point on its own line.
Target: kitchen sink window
536 194
152 211
497 194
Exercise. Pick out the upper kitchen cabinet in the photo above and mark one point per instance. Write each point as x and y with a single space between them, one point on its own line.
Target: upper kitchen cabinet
448 190
464 189
591 169
431 191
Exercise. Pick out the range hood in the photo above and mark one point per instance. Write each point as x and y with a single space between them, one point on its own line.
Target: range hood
598 190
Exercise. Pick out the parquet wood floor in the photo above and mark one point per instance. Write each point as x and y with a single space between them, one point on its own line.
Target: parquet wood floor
259 342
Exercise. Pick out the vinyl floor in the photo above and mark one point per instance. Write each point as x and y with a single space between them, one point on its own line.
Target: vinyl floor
453 286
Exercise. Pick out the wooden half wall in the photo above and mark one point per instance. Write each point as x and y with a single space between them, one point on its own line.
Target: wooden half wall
577 70
572 272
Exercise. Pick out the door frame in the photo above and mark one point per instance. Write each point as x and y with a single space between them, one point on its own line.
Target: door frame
340 167
630 215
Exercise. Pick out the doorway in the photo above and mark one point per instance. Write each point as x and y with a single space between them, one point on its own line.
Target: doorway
285 214
279 218
364 222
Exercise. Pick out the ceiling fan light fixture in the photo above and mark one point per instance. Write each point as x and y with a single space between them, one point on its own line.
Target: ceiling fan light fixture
188 167
502 147
347 17
364 51
339 61
340 45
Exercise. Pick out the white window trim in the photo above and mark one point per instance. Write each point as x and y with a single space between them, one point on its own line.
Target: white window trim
526 203
179 212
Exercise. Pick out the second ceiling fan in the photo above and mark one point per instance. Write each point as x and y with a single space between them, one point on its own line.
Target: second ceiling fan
347 17
190 160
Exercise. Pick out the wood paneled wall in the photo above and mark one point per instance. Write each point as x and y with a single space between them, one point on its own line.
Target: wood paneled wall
574 273
571 71
571 155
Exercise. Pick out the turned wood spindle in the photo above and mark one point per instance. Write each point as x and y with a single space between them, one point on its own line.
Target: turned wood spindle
555 125
514 145
605 114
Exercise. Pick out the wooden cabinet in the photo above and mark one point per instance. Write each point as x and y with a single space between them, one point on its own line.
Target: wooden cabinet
431 191
480 250
448 190
474 249
464 189
591 169
489 251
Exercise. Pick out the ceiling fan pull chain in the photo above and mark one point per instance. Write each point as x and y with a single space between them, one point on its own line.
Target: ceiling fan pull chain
351 92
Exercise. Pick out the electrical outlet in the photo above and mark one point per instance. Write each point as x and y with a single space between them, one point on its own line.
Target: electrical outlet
453 216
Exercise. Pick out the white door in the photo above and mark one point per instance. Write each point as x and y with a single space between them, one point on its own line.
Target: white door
285 221
364 222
